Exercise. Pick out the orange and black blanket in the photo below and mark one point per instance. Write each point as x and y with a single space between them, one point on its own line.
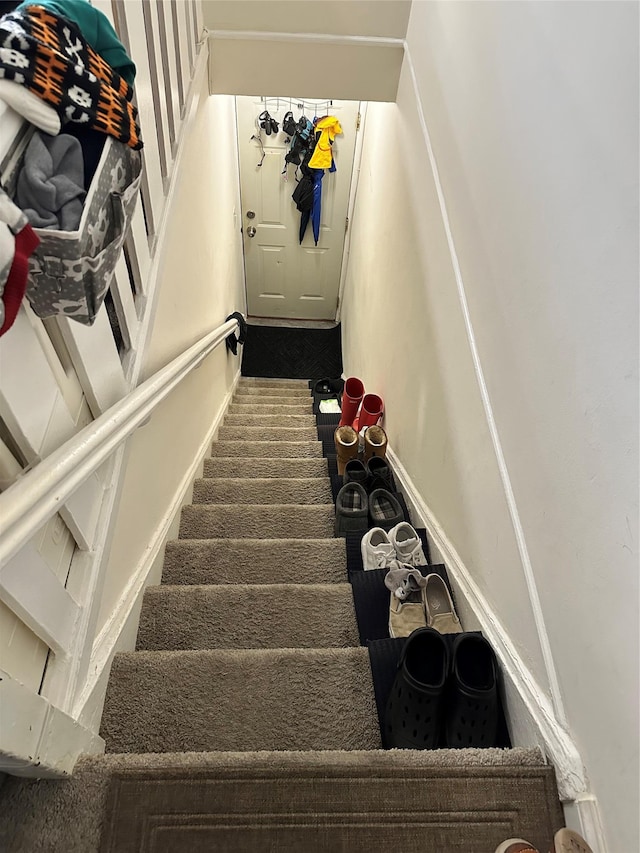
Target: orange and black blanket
49 56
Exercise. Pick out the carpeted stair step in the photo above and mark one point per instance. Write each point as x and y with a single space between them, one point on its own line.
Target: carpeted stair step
265 467
271 400
271 408
267 449
271 420
269 490
265 392
240 700
260 561
248 616
253 382
267 433
446 801
257 521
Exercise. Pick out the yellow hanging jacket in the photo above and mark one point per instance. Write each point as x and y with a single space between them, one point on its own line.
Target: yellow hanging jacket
321 157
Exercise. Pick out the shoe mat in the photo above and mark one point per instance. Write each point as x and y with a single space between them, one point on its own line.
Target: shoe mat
327 420
354 540
325 435
384 655
371 600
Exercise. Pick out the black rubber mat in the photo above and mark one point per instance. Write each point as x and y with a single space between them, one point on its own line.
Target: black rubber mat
371 600
325 435
354 554
275 352
384 656
327 420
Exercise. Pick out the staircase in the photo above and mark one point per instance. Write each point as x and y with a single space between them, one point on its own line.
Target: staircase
245 720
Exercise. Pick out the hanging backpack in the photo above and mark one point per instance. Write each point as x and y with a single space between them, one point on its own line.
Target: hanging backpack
299 141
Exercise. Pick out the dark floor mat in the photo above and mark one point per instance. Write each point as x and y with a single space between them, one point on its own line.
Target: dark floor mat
283 353
384 656
371 600
354 554
327 419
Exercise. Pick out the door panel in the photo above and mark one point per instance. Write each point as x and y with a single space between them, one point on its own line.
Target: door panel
286 279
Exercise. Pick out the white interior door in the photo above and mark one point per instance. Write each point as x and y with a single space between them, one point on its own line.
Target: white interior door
285 278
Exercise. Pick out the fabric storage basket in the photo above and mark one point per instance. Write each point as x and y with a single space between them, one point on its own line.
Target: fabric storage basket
70 271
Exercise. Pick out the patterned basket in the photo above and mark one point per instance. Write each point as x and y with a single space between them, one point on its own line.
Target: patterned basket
70 271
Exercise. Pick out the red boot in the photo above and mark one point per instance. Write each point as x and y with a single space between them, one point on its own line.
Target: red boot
371 411
351 399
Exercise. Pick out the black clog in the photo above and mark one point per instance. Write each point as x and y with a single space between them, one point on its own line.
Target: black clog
415 707
472 712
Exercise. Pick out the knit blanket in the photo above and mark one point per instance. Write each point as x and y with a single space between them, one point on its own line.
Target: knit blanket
49 56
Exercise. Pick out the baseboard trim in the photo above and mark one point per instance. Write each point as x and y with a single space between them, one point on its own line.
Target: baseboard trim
106 641
559 746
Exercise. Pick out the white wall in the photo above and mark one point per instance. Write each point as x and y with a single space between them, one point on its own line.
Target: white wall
532 109
202 282
347 50
347 17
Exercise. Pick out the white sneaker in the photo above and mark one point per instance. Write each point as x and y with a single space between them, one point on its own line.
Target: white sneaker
377 550
407 545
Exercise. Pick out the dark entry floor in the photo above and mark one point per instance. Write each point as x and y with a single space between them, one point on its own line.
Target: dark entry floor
288 353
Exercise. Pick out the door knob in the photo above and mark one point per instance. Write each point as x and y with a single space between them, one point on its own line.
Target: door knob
251 231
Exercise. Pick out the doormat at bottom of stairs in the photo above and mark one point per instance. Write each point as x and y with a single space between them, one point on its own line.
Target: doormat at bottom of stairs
275 352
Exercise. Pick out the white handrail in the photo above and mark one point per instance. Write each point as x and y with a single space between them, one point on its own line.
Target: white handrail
38 494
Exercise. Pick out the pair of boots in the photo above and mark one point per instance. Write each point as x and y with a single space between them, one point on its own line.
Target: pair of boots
347 445
353 399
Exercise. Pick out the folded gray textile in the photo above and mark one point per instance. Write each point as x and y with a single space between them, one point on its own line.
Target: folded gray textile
51 184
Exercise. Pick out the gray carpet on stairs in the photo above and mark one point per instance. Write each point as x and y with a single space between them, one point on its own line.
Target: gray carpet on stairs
246 720
314 490
271 399
250 408
267 433
232 467
285 384
240 700
267 449
261 420
229 561
262 521
248 616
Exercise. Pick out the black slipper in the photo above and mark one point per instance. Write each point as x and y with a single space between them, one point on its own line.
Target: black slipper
351 510
384 510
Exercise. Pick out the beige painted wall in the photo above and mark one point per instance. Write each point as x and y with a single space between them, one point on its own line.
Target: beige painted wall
533 114
347 50
347 17
350 72
202 282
